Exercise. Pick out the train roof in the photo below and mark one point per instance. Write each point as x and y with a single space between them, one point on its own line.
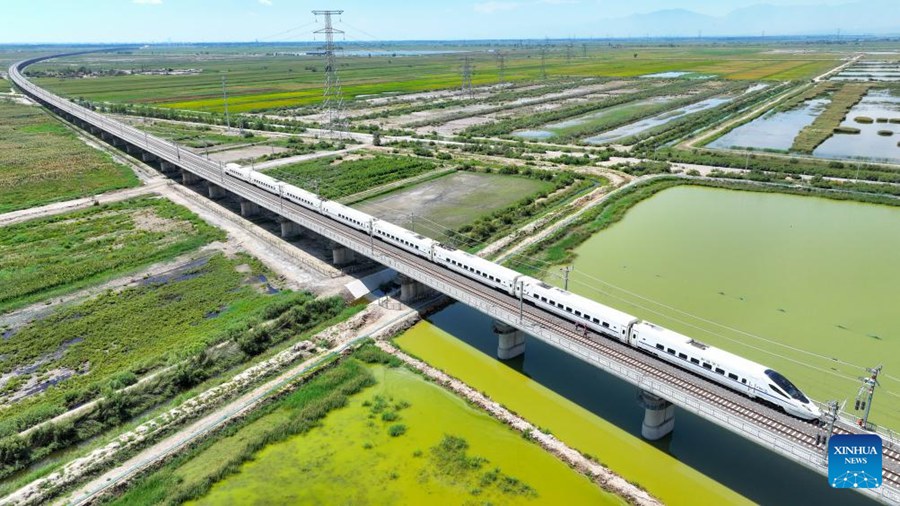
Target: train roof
713 354
581 302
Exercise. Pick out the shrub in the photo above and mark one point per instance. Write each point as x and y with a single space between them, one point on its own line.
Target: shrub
397 430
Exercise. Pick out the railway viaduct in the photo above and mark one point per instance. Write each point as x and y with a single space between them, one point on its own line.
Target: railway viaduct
661 386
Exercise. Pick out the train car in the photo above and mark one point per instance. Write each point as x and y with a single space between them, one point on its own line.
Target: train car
269 184
236 171
580 310
347 215
405 239
301 197
737 373
477 268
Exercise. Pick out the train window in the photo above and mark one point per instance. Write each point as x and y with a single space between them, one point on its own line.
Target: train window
605 324
660 347
720 371
779 392
707 366
596 320
744 380
695 361
671 351
577 313
682 356
732 376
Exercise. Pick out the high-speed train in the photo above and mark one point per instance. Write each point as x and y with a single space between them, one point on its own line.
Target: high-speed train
749 378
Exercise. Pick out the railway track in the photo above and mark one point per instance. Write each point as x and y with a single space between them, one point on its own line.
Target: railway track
740 406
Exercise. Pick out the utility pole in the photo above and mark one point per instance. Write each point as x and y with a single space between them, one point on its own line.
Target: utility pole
832 416
865 394
225 101
467 77
544 60
584 49
566 270
333 98
569 52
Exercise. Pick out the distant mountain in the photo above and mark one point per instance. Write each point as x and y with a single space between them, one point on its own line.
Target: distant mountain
863 17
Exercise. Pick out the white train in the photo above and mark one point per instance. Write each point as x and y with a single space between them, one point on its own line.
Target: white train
739 374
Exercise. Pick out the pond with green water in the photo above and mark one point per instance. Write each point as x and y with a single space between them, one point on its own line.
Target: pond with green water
406 441
805 285
597 414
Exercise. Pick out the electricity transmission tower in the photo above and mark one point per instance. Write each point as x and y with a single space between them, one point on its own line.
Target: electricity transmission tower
865 394
333 98
467 77
569 48
544 59
225 100
501 67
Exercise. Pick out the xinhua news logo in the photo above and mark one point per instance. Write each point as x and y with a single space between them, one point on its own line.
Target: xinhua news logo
854 461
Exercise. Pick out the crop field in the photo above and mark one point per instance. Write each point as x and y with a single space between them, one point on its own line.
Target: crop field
82 351
262 83
52 256
332 178
42 161
198 136
451 202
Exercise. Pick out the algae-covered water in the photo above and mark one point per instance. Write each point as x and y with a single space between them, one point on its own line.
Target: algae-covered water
805 285
448 453
699 463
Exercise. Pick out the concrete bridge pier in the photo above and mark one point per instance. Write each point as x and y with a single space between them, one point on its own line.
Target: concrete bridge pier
341 255
213 190
510 341
148 157
289 229
132 150
167 167
410 289
249 209
189 178
659 416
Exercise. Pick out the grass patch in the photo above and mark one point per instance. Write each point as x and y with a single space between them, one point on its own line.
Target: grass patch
842 100
56 255
42 161
106 342
197 136
336 178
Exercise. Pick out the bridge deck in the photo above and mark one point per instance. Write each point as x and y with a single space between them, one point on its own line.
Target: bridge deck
785 435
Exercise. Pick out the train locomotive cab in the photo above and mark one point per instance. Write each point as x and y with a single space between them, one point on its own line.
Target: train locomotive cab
794 401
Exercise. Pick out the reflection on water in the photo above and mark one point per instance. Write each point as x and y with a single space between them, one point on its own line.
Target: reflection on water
868 144
553 129
746 468
655 121
774 130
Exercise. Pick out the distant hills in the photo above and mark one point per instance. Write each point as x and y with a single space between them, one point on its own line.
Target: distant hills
868 17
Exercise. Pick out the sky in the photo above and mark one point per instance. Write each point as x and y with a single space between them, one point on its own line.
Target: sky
87 21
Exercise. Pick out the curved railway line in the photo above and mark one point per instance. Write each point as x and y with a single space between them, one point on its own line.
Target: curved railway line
738 412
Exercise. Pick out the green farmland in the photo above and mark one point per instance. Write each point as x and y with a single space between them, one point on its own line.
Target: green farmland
42 161
270 82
